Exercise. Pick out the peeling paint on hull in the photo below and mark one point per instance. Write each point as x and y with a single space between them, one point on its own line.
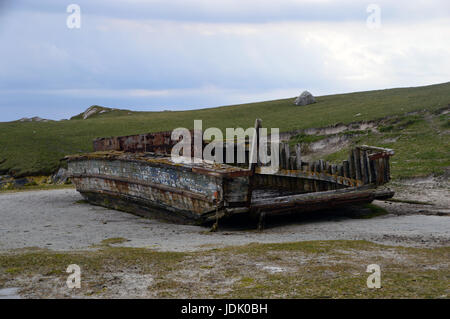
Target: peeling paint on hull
181 192
151 185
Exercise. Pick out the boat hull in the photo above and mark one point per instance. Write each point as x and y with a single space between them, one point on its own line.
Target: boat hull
158 188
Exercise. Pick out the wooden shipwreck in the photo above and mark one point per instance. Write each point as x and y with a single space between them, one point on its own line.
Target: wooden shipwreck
136 174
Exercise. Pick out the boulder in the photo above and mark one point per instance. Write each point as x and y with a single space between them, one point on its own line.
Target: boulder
95 109
91 111
304 99
34 119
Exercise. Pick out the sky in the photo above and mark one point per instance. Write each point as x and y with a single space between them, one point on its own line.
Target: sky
186 54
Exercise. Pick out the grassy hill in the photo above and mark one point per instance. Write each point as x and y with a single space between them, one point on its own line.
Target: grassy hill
35 148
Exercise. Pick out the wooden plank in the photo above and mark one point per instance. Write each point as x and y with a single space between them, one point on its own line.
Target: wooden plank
287 155
357 163
351 162
346 168
328 165
316 181
380 171
364 171
340 169
333 169
298 155
253 158
387 171
281 156
327 197
372 174
369 172
318 166
292 163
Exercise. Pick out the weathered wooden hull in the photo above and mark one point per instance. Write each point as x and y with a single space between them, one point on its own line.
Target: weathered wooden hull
321 200
157 187
123 174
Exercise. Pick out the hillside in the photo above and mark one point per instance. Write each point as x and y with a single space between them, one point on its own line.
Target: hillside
35 148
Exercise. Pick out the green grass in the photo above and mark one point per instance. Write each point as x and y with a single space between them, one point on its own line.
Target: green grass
421 145
312 269
33 148
304 138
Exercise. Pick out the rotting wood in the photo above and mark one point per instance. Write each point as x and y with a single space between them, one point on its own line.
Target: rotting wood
207 192
298 156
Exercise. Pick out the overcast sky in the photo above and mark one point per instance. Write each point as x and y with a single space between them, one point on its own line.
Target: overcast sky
185 54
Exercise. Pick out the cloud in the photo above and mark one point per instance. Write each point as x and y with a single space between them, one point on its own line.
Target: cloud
247 11
200 54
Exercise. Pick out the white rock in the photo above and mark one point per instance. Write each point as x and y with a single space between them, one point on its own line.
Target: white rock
304 99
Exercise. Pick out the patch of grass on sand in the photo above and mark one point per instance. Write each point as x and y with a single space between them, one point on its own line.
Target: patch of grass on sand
313 269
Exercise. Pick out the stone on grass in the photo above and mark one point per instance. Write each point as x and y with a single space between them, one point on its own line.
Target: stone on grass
304 99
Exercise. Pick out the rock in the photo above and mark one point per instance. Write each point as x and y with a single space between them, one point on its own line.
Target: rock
304 99
34 119
96 109
60 177
90 111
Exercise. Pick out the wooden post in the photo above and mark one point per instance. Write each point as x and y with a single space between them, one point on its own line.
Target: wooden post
280 157
318 167
298 156
351 165
253 160
340 170
314 168
322 165
333 169
287 155
357 163
346 168
387 170
364 168
261 221
373 171
328 170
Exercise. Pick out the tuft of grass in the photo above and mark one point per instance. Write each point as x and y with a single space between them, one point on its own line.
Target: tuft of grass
304 138
115 240
313 269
